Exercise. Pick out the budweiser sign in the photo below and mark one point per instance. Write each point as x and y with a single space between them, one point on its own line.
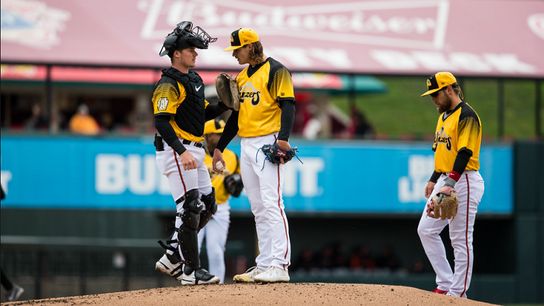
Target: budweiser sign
410 24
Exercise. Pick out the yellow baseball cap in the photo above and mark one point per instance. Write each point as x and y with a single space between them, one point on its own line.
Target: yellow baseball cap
438 81
215 126
242 37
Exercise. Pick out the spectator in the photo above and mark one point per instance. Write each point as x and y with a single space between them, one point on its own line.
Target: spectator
418 267
305 260
37 120
83 123
388 259
331 257
361 258
360 127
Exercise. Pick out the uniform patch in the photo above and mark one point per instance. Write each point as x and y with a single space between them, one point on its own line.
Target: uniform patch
162 104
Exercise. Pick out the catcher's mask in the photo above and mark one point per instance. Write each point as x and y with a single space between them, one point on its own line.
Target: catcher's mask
185 36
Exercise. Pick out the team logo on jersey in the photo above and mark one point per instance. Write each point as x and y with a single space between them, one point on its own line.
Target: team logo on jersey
250 92
162 104
442 137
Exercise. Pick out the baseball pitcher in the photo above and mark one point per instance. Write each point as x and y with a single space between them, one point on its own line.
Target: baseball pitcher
265 118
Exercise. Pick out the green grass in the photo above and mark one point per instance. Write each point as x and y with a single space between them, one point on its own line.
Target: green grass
402 113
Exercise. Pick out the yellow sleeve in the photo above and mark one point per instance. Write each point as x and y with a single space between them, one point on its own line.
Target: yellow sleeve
469 129
166 99
282 85
231 161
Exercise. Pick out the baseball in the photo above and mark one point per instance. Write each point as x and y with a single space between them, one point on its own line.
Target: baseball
219 166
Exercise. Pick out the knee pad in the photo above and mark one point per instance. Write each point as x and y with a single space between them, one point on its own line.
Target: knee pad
187 235
191 210
209 201
211 208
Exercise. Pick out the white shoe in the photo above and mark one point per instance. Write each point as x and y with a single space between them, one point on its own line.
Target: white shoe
248 276
15 293
169 265
198 277
273 275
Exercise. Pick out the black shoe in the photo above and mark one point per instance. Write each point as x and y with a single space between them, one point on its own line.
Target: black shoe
197 277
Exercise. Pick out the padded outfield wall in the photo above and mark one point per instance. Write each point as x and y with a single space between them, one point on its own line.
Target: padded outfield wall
105 192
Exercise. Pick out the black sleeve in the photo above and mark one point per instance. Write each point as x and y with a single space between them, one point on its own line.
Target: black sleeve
231 129
167 133
435 176
214 110
461 161
287 118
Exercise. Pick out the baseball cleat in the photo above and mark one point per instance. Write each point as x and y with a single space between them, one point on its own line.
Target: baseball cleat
169 265
248 276
440 291
15 293
197 277
273 275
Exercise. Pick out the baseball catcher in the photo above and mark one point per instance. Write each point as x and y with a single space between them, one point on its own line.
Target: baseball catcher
227 91
443 206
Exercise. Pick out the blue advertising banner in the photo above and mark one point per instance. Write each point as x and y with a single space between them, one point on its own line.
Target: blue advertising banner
336 177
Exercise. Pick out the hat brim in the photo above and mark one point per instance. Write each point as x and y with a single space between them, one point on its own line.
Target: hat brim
219 131
428 92
232 48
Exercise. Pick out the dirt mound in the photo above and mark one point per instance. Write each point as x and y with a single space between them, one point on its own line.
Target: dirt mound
266 294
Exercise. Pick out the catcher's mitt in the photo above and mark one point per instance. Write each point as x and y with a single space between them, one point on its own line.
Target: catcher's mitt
275 155
443 206
233 184
227 91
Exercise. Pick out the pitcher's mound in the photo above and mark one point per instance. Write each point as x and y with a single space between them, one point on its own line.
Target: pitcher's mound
267 294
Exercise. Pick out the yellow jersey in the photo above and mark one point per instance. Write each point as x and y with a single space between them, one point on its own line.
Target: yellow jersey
455 131
261 88
231 166
169 96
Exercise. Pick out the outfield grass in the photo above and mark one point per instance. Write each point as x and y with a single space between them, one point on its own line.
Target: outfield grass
402 113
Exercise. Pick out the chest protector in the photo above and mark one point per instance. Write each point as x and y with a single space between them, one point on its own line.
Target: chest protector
190 115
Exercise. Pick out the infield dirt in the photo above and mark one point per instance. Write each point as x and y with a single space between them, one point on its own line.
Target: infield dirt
265 294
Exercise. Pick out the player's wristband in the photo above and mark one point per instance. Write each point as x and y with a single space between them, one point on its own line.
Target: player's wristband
449 182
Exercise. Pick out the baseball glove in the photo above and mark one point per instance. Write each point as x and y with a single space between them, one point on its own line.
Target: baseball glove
233 184
227 91
275 155
443 206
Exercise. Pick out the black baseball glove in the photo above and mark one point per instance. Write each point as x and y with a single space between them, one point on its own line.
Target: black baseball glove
275 155
233 184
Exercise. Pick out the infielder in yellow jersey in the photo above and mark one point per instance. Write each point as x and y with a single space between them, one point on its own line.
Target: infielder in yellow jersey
456 149
266 115
225 184
180 111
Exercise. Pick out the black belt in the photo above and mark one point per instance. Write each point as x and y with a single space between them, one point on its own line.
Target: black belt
159 145
193 143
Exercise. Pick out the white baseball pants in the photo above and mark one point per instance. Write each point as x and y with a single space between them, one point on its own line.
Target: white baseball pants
216 232
470 189
263 183
180 180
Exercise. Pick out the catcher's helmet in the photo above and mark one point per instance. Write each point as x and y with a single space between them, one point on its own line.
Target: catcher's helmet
184 36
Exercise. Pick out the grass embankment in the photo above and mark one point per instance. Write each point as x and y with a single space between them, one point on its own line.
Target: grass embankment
402 113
